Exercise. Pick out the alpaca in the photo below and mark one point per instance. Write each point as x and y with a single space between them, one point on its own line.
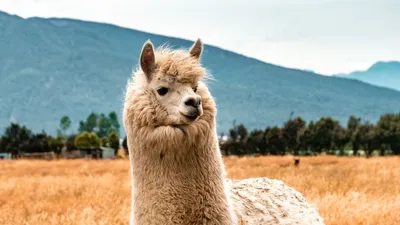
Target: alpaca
177 172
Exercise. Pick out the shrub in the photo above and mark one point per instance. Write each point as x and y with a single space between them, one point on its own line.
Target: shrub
87 140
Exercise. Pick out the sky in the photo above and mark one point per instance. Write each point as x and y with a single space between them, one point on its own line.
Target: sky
325 36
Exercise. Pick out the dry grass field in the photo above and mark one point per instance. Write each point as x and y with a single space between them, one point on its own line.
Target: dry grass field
348 191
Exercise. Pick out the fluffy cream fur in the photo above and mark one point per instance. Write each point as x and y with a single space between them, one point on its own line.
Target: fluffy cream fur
177 171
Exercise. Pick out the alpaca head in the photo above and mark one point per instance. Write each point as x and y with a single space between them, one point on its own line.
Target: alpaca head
168 87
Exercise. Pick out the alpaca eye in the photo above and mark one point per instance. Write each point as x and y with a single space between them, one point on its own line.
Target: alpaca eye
195 89
162 91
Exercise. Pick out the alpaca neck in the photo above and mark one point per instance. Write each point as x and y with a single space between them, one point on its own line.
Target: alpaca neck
184 185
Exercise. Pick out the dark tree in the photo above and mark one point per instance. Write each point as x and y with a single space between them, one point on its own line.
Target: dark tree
275 142
82 127
366 135
307 137
236 144
388 129
90 124
352 125
114 142
324 134
291 133
56 145
242 131
70 143
65 124
114 122
15 139
104 126
256 141
101 124
37 143
233 134
339 138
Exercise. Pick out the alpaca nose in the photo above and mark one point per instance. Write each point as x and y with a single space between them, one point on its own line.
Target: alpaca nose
192 101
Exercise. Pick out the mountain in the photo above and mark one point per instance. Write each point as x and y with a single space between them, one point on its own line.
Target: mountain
384 74
54 67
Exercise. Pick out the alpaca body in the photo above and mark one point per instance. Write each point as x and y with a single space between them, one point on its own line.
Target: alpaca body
177 171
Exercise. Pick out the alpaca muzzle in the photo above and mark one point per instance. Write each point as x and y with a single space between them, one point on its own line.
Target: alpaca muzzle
192 107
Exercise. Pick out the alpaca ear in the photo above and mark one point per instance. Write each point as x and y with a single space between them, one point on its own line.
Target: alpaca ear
196 49
147 59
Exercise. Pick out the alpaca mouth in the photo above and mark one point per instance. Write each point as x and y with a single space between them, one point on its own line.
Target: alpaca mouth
192 117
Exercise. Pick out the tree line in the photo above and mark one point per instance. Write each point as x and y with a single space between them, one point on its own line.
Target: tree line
295 136
97 130
326 135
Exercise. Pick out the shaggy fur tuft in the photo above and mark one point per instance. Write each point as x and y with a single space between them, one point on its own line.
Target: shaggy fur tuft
177 171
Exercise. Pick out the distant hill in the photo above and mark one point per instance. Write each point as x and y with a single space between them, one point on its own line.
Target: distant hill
55 67
384 74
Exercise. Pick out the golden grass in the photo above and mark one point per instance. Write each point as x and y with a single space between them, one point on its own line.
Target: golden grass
348 191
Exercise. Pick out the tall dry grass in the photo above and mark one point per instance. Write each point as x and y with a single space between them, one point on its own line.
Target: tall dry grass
346 190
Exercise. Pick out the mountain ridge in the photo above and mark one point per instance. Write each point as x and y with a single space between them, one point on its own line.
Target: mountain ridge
58 66
381 73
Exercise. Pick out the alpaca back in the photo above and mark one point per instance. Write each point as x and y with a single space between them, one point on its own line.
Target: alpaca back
271 202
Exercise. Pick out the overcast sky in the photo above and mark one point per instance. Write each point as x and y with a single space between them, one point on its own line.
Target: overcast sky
326 36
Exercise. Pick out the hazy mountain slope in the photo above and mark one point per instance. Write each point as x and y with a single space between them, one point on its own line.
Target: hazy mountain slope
52 67
384 74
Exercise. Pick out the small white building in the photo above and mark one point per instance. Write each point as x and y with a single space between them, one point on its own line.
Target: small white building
92 153
5 155
107 153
